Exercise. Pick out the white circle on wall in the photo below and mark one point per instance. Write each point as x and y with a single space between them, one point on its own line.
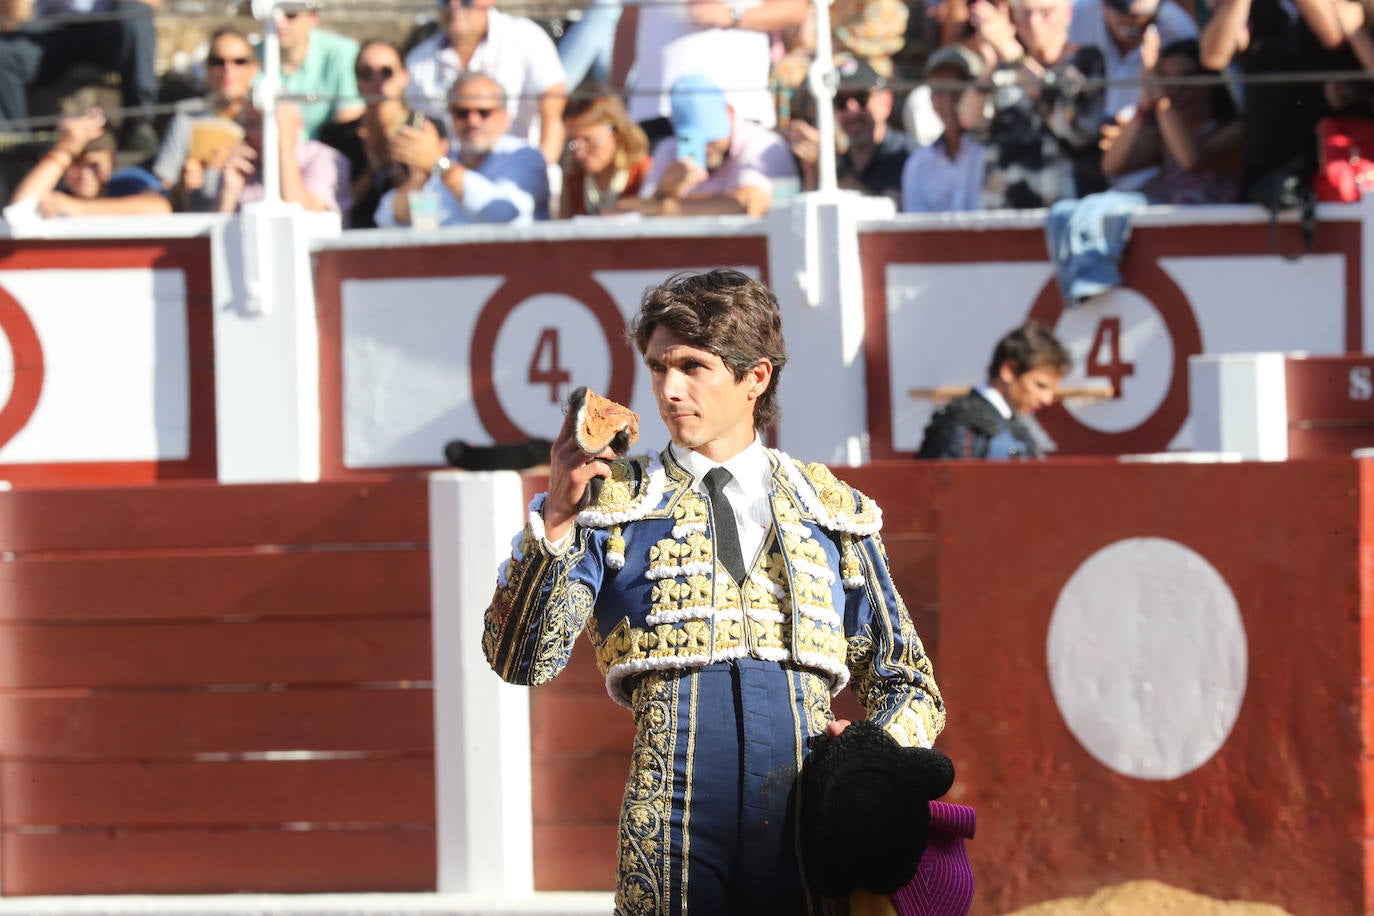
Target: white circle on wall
1120 337
6 369
547 345
1148 658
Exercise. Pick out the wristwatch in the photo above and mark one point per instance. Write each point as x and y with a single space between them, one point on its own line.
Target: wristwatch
442 165
736 14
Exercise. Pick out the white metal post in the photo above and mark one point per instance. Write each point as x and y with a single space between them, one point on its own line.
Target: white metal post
481 724
1238 402
822 80
265 99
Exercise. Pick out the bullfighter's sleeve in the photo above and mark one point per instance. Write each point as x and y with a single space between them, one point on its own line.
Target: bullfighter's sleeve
890 672
543 600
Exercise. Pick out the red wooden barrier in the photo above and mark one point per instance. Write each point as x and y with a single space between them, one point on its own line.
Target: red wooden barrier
985 555
208 689
1278 813
1330 404
213 688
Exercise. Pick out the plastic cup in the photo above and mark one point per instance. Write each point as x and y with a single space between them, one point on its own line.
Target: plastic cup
424 209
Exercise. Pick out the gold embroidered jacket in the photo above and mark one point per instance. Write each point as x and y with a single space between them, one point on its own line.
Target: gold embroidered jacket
640 575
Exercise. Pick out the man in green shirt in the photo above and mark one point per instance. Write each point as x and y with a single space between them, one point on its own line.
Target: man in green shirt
318 62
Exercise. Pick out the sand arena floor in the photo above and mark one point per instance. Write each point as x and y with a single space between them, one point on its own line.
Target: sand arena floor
1147 898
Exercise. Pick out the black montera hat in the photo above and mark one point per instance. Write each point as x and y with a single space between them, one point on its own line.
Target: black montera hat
865 810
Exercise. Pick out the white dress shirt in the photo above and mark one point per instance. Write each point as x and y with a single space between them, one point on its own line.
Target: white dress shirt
750 472
515 52
994 397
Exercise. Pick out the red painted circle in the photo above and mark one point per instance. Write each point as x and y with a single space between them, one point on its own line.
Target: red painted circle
28 367
515 291
1156 432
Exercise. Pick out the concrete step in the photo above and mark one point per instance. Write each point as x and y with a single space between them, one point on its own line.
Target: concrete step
539 904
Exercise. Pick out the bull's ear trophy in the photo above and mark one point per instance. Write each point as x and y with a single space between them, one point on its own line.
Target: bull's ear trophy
598 424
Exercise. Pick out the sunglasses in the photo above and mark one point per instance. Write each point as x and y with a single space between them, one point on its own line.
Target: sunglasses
382 73
462 113
214 61
465 4
601 133
842 100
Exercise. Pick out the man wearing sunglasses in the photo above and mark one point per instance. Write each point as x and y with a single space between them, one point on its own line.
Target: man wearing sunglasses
872 153
485 176
1116 28
319 62
475 37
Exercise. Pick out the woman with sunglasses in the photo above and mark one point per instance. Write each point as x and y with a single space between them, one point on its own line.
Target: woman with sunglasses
365 140
230 69
608 154
224 174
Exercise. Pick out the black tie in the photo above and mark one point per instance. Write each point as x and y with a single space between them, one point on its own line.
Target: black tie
723 520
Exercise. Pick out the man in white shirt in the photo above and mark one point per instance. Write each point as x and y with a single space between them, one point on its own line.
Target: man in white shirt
1116 28
1026 367
662 41
475 37
488 177
947 175
728 592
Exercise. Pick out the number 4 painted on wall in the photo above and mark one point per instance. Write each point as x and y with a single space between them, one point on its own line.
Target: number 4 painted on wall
1112 367
545 366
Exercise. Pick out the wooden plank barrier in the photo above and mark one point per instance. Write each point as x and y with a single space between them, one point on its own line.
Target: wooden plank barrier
1153 671
1330 404
1278 811
216 689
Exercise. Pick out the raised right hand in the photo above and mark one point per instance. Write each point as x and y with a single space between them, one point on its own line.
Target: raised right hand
570 470
75 131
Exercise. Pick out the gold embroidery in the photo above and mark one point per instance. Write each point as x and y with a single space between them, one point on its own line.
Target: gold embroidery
695 618
811 591
642 883
691 511
816 702
624 486
850 570
840 500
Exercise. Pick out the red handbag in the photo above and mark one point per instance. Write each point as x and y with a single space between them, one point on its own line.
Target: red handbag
1346 146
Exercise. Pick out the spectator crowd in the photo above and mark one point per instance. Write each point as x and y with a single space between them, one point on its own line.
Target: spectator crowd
677 107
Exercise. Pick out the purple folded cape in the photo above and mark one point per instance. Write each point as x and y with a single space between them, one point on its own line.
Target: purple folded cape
943 884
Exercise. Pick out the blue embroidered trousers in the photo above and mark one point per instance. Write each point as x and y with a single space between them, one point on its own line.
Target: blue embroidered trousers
708 826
